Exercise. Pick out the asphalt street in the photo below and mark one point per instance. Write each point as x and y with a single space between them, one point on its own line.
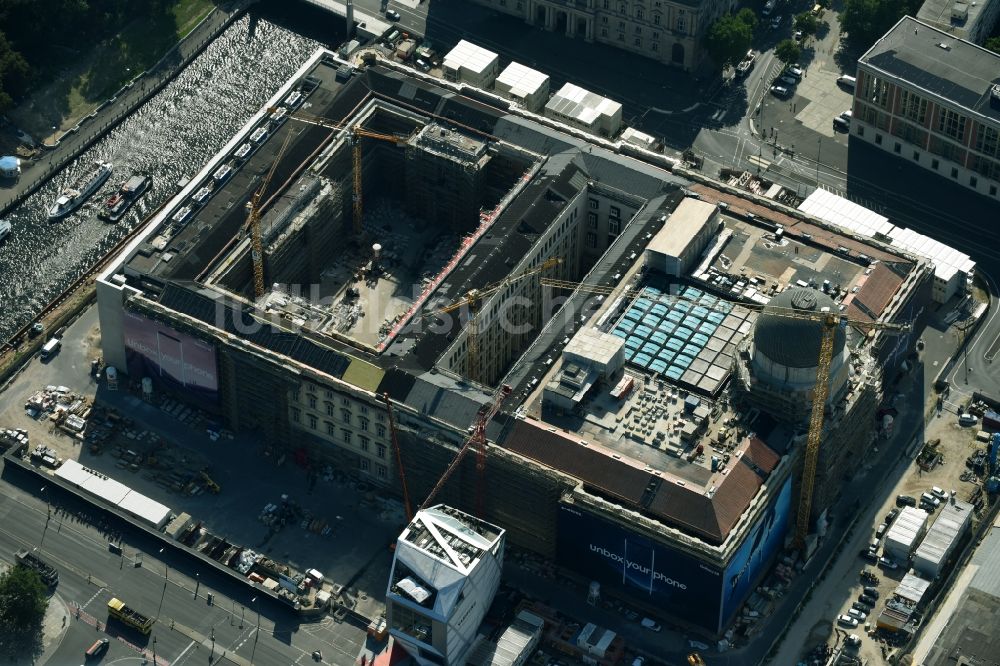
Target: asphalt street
188 628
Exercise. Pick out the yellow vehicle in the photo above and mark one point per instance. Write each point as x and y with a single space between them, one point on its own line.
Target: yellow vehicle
129 616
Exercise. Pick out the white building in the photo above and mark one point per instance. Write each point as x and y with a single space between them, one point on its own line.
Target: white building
444 575
588 111
942 538
468 63
953 270
528 87
905 533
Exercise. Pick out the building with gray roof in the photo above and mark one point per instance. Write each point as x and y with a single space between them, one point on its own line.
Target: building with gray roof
966 19
934 100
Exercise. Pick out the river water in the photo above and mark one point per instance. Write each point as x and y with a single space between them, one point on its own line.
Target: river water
170 138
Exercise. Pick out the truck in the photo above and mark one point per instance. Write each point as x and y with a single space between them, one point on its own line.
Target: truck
30 560
129 616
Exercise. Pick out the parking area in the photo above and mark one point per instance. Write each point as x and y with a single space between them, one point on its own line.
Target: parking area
335 525
939 470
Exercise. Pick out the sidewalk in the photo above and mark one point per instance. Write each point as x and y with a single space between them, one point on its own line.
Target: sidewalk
56 156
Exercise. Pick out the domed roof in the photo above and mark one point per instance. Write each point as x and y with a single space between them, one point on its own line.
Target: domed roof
794 343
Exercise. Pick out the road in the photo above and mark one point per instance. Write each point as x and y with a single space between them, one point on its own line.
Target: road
157 585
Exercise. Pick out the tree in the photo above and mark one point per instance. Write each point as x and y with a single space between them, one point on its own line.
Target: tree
748 16
23 602
807 23
865 21
788 51
993 44
728 40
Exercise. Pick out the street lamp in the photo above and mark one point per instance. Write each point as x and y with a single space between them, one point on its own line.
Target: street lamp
819 154
197 584
166 574
48 516
257 632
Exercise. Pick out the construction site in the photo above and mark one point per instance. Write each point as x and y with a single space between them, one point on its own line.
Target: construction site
385 277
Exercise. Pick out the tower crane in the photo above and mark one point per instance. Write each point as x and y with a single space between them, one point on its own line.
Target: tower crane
475 297
829 322
477 439
253 223
399 458
357 132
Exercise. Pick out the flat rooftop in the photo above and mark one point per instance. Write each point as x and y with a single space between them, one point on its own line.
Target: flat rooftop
931 59
940 12
971 627
753 260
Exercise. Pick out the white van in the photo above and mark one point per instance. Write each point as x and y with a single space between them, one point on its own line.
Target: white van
51 347
847 81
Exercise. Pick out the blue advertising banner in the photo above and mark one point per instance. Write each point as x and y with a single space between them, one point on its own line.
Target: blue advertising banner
612 555
761 544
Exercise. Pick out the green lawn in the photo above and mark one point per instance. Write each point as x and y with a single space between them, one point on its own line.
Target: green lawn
187 14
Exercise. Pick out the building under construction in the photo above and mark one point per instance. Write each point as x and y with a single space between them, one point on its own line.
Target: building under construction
358 272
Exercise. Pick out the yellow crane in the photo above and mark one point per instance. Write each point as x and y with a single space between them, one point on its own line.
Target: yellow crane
253 224
474 298
357 133
829 321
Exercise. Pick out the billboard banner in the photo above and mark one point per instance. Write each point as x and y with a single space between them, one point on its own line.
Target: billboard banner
764 540
612 555
179 361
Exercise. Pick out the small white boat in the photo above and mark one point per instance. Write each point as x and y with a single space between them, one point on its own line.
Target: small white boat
5 228
82 188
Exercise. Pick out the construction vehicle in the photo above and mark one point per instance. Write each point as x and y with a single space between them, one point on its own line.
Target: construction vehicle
477 439
399 459
474 298
829 321
129 616
357 133
253 223
29 559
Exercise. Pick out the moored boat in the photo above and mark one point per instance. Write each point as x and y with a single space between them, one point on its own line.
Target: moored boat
119 203
72 197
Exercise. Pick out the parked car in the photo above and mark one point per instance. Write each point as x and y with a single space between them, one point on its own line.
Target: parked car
650 624
939 493
891 516
858 615
887 563
871 591
857 605
865 599
905 500
870 555
392 15
847 81
967 420
880 531
853 640
928 499
847 621
780 91
797 35
795 71
847 115
776 22
788 80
